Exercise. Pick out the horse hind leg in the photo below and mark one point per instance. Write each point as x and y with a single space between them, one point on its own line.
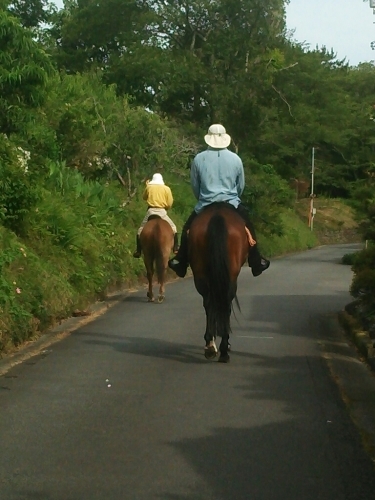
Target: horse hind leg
210 349
150 275
224 344
161 295
150 295
224 348
161 278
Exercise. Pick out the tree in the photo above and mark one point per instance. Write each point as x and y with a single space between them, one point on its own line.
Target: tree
24 72
31 13
219 53
313 103
89 33
178 57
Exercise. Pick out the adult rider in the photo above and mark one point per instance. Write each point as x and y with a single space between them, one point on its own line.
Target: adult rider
217 175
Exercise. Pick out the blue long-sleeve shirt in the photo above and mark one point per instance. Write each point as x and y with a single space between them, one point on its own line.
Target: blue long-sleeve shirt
217 175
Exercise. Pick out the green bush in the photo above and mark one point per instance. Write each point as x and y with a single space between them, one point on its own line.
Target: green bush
363 284
266 194
77 247
19 190
349 259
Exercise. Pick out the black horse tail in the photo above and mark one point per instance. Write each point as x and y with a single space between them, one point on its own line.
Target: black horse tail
219 294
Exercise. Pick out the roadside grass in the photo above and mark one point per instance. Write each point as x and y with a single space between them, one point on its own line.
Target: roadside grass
296 236
334 221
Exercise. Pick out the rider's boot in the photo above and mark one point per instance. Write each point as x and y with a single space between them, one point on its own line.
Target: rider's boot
257 263
175 243
179 263
138 252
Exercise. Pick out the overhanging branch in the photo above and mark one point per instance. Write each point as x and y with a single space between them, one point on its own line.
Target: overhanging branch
284 99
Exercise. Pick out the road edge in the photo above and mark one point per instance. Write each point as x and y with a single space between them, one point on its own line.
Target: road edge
344 352
57 333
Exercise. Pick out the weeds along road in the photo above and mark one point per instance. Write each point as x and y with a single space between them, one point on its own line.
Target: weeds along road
127 407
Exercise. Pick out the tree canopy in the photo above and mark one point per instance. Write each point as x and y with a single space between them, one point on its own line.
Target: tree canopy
192 62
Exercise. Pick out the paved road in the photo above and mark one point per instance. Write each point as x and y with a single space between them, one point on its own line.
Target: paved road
128 408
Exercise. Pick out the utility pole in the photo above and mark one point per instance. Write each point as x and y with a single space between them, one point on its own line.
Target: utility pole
312 211
372 6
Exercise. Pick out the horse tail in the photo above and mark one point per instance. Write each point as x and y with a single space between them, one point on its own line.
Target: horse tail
219 300
158 254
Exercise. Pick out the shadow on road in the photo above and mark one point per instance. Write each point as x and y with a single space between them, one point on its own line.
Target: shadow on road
289 314
275 462
185 353
311 451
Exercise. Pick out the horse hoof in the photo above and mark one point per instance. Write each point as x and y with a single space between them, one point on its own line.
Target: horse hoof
224 359
210 352
161 299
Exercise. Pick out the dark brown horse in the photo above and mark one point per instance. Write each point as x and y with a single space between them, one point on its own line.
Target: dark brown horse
218 247
157 243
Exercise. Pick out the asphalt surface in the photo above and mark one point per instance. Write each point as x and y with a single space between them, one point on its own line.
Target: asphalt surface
127 407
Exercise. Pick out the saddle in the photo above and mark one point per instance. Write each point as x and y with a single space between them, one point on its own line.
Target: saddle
250 239
153 216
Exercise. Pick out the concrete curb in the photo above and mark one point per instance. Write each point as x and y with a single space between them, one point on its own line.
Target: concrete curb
358 336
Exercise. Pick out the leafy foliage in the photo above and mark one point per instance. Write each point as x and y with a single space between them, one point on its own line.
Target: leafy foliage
363 285
31 13
266 194
24 72
18 188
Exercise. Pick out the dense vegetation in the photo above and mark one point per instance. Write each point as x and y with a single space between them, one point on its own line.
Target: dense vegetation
97 96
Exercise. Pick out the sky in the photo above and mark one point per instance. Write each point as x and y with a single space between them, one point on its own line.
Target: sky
346 26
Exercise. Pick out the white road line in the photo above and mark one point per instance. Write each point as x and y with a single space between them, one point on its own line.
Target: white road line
249 337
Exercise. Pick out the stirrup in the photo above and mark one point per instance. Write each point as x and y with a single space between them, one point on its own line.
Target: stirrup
177 267
264 264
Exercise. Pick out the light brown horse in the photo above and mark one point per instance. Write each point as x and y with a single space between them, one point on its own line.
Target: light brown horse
218 248
157 244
